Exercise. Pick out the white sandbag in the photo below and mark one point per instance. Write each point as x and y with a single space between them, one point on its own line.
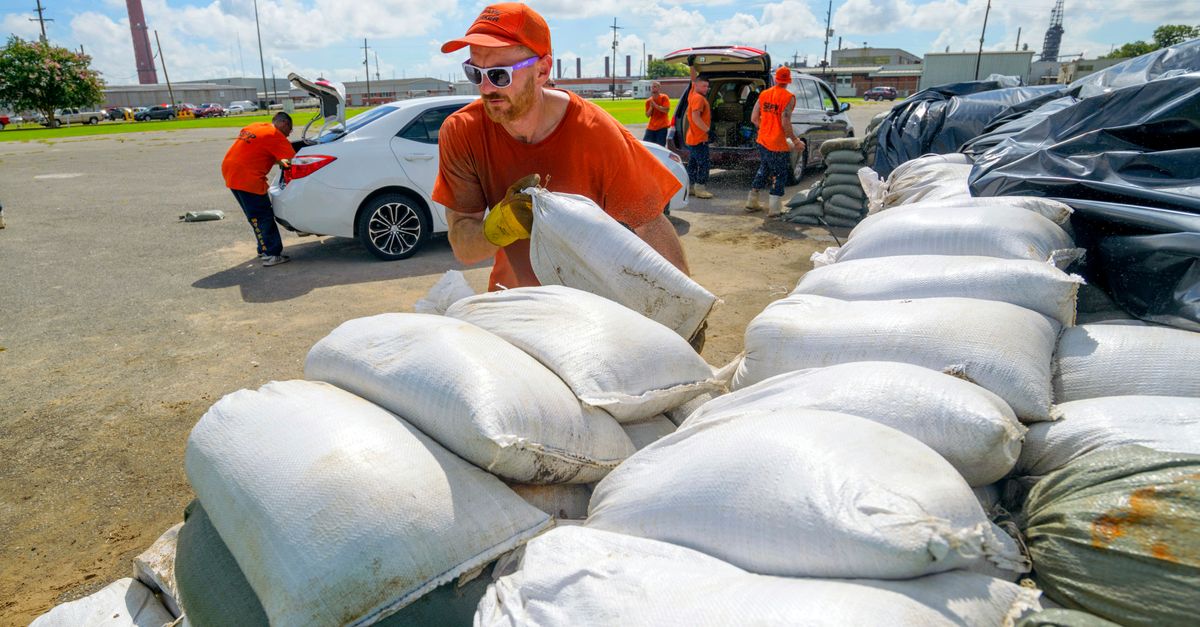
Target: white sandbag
577 576
1126 360
1001 347
679 414
649 431
969 426
449 289
155 568
564 501
1035 285
1001 231
804 493
1053 210
927 181
122 603
574 243
339 512
610 356
477 395
1163 423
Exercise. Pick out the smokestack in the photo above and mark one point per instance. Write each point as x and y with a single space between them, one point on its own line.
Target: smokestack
627 64
559 68
606 68
141 43
578 67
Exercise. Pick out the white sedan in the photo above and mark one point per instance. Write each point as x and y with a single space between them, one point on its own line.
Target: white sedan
373 181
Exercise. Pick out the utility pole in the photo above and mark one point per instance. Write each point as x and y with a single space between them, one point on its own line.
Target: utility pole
1018 46
979 55
828 34
241 59
614 59
367 67
274 93
42 19
161 58
377 66
262 65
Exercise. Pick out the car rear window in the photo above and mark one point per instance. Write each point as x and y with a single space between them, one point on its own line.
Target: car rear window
355 123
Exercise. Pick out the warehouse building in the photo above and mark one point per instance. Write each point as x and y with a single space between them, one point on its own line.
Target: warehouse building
955 67
193 93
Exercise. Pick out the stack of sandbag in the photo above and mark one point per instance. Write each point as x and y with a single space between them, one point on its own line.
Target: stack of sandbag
871 138
843 199
930 177
576 244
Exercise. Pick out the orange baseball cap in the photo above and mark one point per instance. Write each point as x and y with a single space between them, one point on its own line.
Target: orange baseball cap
506 24
783 74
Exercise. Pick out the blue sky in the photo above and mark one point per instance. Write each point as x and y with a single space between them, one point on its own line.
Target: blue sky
201 39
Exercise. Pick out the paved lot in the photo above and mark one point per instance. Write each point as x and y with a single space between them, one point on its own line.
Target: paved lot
120 326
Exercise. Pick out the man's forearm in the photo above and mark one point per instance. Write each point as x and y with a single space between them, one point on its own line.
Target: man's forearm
661 236
466 237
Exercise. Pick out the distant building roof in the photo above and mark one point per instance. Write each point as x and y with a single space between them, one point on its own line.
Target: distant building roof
845 69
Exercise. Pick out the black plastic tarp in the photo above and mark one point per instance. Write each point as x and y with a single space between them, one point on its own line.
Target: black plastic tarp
1128 161
1178 59
939 120
1014 121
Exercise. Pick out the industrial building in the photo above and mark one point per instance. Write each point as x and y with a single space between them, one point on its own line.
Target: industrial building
954 67
872 56
193 93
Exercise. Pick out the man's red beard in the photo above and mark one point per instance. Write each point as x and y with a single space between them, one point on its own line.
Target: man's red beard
519 103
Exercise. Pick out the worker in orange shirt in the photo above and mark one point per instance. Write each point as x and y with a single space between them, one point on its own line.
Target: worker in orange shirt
488 149
776 142
258 148
699 120
658 105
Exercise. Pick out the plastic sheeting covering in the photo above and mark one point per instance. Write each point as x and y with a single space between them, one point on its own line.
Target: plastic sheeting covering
940 119
1128 161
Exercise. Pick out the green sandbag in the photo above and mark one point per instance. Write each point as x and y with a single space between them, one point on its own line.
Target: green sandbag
842 179
846 203
798 219
807 209
1116 533
850 191
845 223
845 156
831 146
842 168
214 592
833 211
1064 618
805 196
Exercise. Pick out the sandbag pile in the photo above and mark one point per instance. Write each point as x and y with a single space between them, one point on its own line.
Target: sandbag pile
838 199
931 177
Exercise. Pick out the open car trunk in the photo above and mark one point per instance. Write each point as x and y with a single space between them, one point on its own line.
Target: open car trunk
736 76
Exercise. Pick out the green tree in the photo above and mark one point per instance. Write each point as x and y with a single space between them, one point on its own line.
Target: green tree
661 69
36 76
1130 50
1170 34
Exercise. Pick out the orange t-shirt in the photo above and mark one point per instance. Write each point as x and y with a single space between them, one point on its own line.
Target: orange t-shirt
589 154
251 156
772 104
658 119
699 103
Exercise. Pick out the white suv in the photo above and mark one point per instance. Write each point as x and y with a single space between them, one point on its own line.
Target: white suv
243 105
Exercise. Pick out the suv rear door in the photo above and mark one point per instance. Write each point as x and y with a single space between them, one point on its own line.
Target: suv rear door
724 60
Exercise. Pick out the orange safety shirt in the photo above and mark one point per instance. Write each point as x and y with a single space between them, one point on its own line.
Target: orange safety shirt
589 154
251 156
699 104
658 119
772 104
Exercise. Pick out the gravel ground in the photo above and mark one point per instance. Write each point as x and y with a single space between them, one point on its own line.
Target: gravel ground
120 325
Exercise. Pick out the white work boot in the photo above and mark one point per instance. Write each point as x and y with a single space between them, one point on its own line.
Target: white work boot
754 201
775 206
699 192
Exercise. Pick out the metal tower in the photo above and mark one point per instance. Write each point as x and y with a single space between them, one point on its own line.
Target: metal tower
1053 34
141 43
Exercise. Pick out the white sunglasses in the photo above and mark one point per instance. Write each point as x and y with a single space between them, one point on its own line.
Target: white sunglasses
498 76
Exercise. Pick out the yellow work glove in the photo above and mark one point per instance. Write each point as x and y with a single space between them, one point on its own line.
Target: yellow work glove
512 218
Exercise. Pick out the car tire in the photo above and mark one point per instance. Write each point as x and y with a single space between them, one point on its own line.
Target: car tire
1 126
57 123
393 226
171 116
796 171
93 121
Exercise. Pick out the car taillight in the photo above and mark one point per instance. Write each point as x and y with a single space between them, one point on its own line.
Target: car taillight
303 166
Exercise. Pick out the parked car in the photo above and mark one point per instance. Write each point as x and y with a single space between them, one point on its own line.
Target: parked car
245 105
210 110
4 121
234 109
374 180
880 93
157 112
607 94
737 74
74 116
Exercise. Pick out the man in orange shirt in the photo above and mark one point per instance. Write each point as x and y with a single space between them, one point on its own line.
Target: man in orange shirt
776 141
520 126
699 119
257 148
657 107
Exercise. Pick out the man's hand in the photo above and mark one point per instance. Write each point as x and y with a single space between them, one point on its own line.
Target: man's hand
691 60
796 144
512 218
285 164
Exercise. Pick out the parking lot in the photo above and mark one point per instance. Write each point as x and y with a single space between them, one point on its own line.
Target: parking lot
120 325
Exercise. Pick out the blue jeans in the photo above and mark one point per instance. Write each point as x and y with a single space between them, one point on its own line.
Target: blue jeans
658 137
257 208
698 164
771 165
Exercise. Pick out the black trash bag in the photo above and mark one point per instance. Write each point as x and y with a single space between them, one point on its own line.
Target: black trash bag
1177 59
940 119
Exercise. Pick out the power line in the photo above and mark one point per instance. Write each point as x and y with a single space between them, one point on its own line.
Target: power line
41 19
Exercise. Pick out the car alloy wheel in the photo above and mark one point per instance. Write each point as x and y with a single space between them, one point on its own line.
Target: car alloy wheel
393 226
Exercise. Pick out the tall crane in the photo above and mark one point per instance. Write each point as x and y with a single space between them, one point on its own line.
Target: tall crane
1054 34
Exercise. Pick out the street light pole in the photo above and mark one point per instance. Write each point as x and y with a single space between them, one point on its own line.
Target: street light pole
979 55
262 66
